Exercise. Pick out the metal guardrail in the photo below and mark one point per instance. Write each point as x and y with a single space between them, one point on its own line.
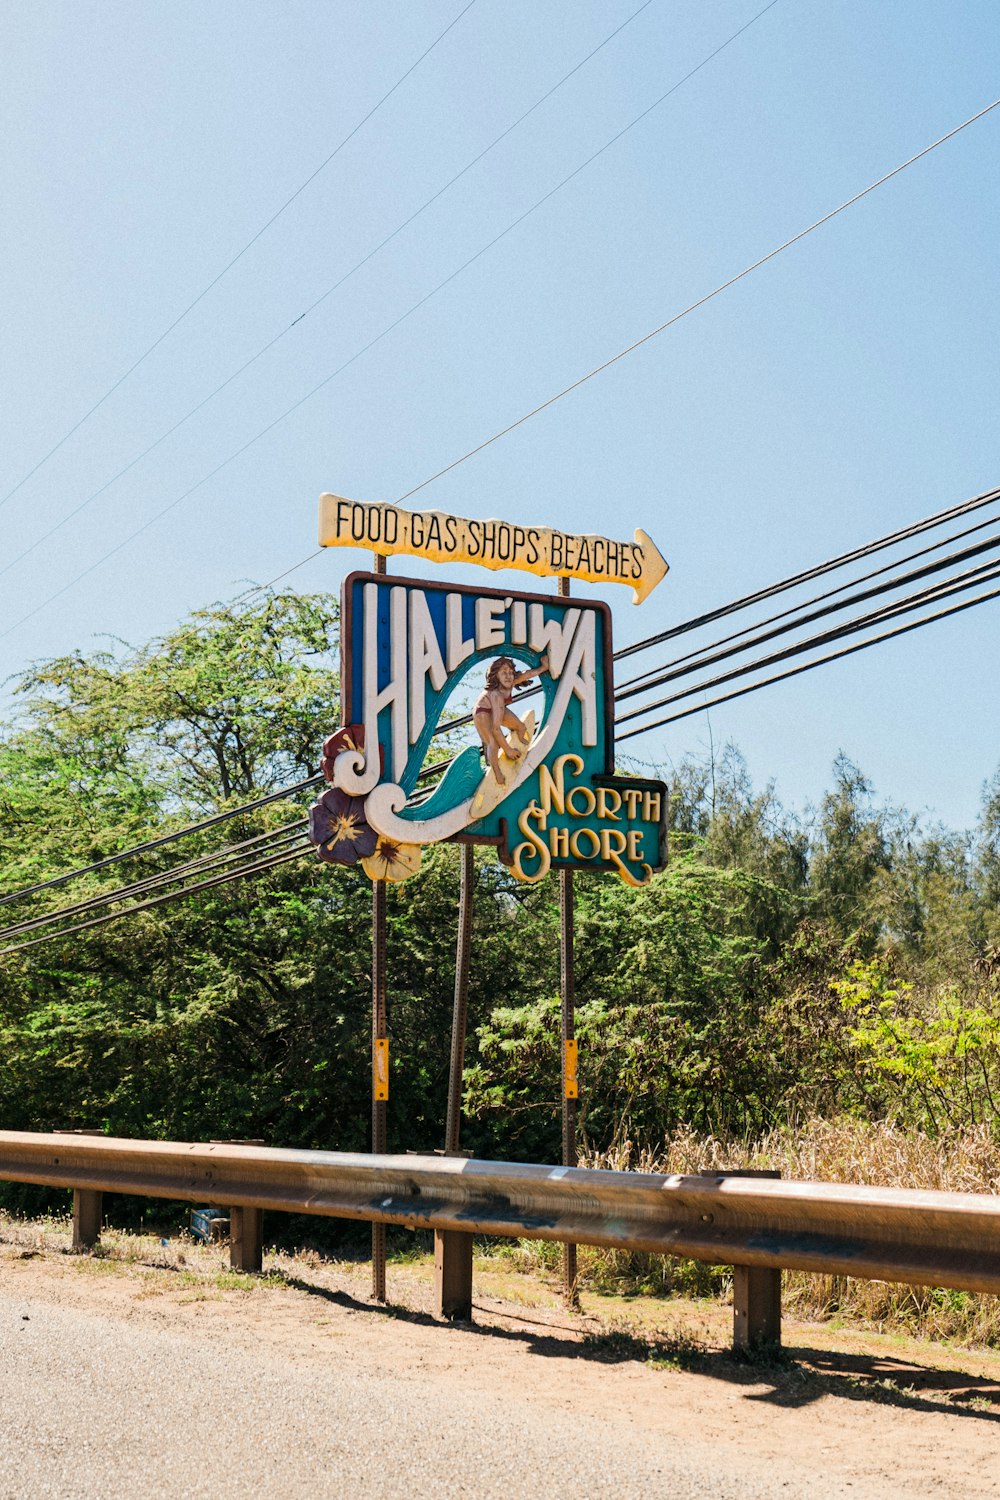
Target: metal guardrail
759 1224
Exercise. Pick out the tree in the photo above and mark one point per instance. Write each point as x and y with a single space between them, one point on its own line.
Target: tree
147 1022
852 848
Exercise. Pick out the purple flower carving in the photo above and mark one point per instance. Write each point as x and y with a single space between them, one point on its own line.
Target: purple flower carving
338 829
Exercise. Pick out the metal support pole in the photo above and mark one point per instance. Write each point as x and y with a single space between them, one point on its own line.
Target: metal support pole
380 1048
452 1248
87 1217
380 1068
567 995
460 1012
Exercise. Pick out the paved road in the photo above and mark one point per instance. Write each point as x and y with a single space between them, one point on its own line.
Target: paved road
94 1406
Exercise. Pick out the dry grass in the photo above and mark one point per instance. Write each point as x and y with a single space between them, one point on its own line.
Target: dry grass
958 1160
845 1150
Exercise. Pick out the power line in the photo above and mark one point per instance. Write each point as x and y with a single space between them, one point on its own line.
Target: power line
255 866
788 583
940 590
692 307
808 666
265 348
359 353
200 865
697 661
237 257
651 678
928 524
939 518
161 839
850 627
428 772
630 349
202 885
274 860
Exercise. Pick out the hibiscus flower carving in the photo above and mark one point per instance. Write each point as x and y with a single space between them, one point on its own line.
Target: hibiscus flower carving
392 860
338 828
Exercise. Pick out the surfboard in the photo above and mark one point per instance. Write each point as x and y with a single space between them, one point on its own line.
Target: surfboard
458 784
490 792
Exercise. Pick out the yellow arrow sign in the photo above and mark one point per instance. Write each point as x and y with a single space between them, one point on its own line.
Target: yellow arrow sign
388 530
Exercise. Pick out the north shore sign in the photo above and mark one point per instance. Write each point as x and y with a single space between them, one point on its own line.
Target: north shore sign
511 692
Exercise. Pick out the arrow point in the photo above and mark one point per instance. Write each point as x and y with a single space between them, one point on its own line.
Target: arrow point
654 566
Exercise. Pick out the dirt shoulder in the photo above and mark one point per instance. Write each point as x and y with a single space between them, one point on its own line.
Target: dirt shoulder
869 1415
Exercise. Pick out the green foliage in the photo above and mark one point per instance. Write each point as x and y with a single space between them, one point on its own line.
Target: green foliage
935 1058
852 851
778 968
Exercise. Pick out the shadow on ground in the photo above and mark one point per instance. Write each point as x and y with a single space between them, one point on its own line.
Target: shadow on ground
792 1377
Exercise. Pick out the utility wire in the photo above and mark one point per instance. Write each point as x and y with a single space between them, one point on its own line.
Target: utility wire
657 676
161 839
255 866
692 307
290 410
237 257
202 885
673 671
930 522
697 661
428 773
783 614
200 866
283 858
808 666
939 518
652 677
942 590
265 348
599 369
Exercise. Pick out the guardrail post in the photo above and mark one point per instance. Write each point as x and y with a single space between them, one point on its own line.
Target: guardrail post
88 1207
453 1274
246 1238
246 1225
87 1216
756 1307
756 1297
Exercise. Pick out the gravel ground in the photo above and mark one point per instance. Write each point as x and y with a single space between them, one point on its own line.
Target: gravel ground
94 1407
148 1370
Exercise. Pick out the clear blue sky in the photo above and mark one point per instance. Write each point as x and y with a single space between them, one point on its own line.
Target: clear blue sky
844 390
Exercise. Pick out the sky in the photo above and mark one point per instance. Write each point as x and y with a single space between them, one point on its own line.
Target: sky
845 389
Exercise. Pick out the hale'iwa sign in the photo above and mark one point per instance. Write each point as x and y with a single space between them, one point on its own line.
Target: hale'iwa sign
539 783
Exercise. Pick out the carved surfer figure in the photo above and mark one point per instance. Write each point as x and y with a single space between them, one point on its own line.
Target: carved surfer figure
492 713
